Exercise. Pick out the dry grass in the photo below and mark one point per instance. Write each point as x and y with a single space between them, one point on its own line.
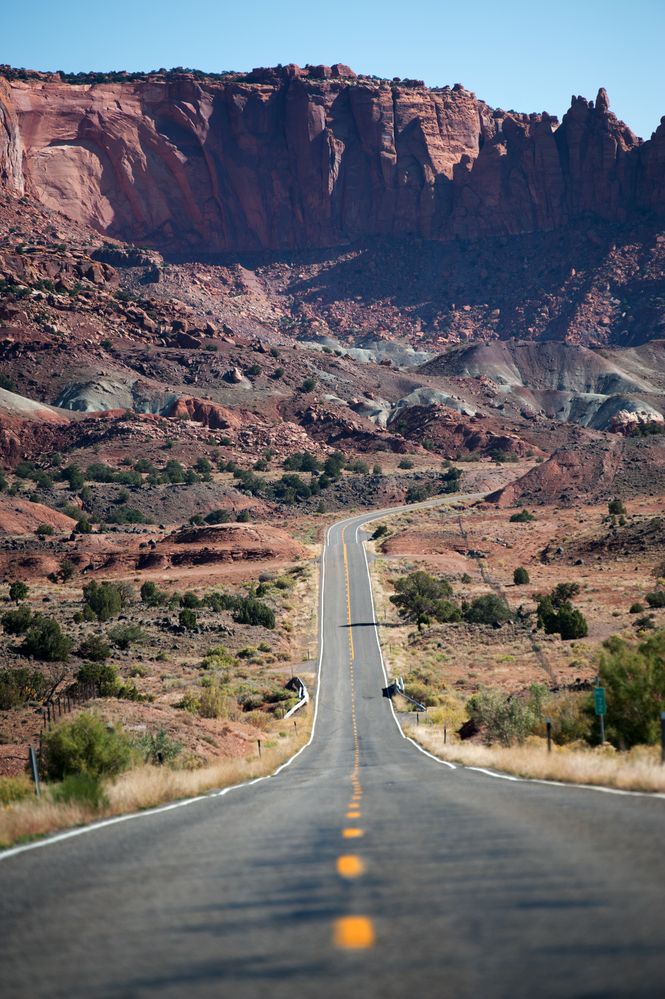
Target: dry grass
144 787
638 770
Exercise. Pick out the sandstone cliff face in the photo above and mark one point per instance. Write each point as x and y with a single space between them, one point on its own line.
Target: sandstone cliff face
11 176
292 158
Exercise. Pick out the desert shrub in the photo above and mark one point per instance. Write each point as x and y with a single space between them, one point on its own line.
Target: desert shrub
502 718
380 532
556 614
14 789
86 745
67 570
572 623
520 576
634 679
243 517
616 507
46 640
103 675
187 619
217 517
217 658
334 464
405 463
124 635
489 608
523 517
214 702
73 476
106 600
20 685
636 608
152 595
174 472
17 622
44 530
656 598
94 648
290 488
18 591
249 610
126 515
81 789
571 719
301 461
308 385
190 599
158 747
423 598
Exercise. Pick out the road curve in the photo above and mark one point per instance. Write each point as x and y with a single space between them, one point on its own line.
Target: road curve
365 868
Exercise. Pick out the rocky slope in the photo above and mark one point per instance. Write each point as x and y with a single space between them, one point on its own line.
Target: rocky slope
316 157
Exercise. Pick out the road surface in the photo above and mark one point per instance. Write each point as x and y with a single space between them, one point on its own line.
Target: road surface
364 869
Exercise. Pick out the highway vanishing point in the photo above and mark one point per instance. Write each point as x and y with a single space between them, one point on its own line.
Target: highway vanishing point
364 868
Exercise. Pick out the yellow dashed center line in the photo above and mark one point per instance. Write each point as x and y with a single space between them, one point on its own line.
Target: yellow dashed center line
350 866
354 933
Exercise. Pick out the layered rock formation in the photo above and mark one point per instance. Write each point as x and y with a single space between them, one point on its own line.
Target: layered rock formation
288 158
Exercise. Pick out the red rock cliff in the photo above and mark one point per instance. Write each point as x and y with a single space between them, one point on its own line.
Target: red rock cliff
295 158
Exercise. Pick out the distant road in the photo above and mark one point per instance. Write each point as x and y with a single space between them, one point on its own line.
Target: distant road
364 869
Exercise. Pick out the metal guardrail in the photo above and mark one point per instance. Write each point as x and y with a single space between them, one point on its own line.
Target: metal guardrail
295 683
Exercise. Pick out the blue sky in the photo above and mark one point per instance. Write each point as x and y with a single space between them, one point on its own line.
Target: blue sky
530 56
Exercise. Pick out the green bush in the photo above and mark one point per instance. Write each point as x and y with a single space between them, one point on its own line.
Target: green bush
15 789
20 685
501 717
103 675
656 598
572 623
556 614
636 608
81 789
616 507
249 610
86 745
126 515
46 640
405 463
308 385
94 648
190 599
152 595
17 622
423 598
106 600
124 635
301 461
634 679
158 748
18 591
520 576
217 517
523 517
488 609
187 619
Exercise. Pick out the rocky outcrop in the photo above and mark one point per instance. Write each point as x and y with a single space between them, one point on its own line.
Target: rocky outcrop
11 176
285 158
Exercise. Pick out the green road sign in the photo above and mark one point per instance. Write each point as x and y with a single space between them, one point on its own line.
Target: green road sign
599 700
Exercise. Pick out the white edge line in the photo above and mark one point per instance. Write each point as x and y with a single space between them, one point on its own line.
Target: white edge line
116 819
463 766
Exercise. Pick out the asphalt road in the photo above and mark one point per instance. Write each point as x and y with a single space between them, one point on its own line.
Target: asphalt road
364 869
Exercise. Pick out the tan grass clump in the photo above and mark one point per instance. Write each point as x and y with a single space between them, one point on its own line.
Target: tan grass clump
638 770
141 788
